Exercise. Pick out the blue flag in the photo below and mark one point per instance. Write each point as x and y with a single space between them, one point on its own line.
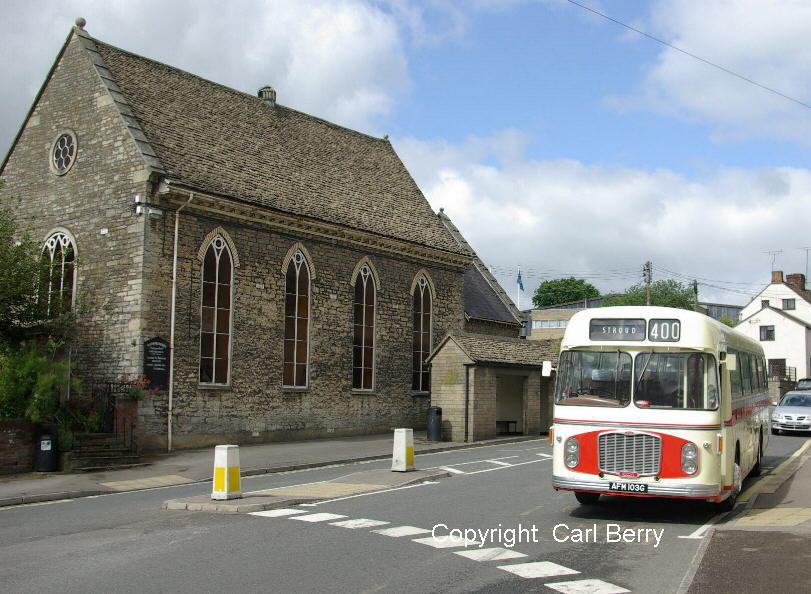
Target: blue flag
518 280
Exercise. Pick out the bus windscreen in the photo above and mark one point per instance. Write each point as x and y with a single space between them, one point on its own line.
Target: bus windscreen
594 378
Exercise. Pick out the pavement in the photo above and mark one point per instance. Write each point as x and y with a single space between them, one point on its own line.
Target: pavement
765 543
191 466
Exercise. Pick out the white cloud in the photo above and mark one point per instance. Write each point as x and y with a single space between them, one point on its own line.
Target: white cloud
563 217
342 60
765 42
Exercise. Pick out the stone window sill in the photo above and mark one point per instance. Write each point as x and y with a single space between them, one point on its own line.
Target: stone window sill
421 394
224 387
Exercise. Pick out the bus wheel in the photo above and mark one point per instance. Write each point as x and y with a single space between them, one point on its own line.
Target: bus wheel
728 504
775 431
756 468
587 498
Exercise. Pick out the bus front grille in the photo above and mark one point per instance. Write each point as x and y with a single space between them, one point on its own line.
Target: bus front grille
638 453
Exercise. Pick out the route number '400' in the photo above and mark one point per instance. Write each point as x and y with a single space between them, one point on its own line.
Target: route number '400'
664 330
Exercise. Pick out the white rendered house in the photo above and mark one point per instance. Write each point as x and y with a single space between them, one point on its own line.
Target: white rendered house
780 318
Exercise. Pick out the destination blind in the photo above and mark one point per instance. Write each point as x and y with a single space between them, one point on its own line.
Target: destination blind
617 329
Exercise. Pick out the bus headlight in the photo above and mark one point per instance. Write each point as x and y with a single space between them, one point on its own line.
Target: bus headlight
571 452
689 458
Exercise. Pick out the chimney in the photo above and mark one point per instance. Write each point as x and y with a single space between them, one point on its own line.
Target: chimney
796 280
268 95
777 276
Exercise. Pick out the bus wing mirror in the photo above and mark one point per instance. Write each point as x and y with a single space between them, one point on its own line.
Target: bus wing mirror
546 369
731 361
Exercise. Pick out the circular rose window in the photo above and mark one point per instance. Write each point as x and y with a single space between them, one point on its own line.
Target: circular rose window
63 153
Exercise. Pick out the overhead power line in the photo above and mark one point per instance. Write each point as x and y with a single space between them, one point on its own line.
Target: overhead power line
692 55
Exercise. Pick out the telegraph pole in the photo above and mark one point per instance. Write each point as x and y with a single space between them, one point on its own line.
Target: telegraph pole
647 274
695 292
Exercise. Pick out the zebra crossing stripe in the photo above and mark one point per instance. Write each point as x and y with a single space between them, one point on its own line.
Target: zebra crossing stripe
399 531
323 517
445 542
493 554
277 513
360 523
538 569
587 587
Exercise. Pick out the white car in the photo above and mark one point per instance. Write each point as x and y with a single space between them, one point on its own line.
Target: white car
793 413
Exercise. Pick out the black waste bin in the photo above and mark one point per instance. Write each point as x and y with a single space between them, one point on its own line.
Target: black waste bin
46 458
434 423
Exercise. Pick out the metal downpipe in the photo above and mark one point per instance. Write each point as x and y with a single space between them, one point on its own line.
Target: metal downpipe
170 410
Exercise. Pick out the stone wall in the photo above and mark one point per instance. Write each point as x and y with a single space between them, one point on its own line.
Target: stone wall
93 203
475 326
448 390
16 446
255 407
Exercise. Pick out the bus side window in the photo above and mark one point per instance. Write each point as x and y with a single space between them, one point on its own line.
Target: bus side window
753 372
746 378
735 377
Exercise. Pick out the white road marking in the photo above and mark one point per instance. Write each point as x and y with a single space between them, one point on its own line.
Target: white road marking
277 513
360 523
544 455
504 467
318 517
494 554
538 569
445 542
399 531
451 469
587 587
699 533
499 462
422 484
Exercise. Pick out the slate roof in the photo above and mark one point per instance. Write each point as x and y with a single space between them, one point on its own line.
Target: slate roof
484 297
480 299
224 142
498 350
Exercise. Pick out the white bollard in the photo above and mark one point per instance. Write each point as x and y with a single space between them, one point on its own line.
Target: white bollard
226 473
402 459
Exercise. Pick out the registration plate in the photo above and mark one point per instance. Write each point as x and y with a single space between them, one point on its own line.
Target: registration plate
621 487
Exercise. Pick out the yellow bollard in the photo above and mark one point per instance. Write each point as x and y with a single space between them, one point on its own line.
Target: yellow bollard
402 459
226 473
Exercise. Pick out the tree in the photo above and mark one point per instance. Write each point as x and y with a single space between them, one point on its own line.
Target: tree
20 273
664 293
563 290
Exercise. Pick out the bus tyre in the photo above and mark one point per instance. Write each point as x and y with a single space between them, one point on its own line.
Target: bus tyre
728 504
775 431
586 498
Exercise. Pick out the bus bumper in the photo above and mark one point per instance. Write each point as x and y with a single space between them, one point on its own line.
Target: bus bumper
691 491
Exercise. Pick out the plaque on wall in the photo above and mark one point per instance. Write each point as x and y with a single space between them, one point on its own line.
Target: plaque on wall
156 362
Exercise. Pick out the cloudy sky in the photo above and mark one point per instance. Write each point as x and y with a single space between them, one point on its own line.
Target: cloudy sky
554 138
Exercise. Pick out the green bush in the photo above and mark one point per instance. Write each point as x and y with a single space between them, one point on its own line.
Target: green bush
32 380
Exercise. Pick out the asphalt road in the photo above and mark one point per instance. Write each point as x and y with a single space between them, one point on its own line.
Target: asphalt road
126 543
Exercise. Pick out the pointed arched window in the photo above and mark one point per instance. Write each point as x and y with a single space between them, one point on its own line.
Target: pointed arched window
58 268
216 314
421 344
363 344
296 322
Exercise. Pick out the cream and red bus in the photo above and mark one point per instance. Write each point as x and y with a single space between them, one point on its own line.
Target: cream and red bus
657 402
